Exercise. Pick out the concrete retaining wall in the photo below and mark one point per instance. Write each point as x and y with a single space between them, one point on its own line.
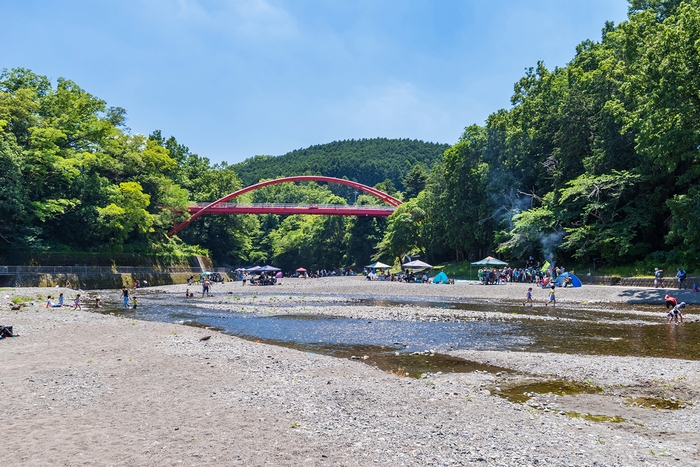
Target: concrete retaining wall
94 281
668 282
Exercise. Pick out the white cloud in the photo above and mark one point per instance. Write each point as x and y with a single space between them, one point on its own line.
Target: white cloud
242 20
259 19
191 10
393 110
255 20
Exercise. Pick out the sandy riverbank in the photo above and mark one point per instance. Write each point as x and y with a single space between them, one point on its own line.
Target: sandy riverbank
85 388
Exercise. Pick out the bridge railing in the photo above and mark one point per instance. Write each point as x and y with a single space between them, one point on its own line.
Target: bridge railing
294 205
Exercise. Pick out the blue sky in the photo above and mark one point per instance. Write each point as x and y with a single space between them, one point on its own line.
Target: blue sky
236 78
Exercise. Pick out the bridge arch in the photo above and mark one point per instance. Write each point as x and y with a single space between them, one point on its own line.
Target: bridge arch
298 178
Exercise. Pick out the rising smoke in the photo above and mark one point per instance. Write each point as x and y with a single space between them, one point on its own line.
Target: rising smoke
549 243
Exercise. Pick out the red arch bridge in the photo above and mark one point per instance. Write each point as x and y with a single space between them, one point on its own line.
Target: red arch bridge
221 205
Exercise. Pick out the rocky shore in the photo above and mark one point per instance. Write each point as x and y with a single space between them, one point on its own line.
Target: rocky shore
87 388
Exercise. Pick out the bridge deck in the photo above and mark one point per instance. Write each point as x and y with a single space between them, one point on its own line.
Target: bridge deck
287 209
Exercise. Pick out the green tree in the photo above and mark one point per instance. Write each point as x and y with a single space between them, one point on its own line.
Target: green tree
408 230
461 205
415 181
126 214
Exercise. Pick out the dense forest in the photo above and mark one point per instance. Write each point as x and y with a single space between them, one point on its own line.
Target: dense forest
594 162
368 161
77 186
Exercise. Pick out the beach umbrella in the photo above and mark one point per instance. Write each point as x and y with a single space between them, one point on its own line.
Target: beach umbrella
301 270
488 261
279 275
378 265
417 264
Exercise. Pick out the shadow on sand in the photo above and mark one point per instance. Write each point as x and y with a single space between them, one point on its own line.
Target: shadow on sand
656 296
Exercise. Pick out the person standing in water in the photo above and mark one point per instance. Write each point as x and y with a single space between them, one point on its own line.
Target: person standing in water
125 294
552 298
528 297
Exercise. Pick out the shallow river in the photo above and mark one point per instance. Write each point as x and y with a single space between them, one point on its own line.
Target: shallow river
625 332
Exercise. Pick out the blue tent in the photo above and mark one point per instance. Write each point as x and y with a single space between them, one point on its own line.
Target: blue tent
559 281
440 278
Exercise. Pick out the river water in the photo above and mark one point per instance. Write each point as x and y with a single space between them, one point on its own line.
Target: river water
585 330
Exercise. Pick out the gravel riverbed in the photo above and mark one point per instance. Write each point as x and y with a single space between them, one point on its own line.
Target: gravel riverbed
85 388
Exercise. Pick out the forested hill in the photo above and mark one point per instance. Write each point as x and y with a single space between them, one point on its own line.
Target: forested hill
367 161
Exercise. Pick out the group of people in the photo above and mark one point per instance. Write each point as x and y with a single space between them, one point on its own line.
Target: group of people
405 276
61 302
378 275
129 302
552 297
528 275
206 289
211 277
126 298
262 279
675 309
681 276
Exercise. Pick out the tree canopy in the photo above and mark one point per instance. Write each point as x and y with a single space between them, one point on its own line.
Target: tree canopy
597 160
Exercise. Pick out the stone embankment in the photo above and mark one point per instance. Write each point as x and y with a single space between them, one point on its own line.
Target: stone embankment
668 282
93 277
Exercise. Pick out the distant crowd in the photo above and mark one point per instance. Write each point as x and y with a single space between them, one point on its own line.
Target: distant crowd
529 275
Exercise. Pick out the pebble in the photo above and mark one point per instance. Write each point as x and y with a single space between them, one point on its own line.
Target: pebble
368 417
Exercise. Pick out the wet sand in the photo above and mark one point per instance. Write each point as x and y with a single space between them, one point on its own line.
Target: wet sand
86 388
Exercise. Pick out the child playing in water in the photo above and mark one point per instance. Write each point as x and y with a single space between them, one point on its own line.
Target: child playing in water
552 298
136 303
528 298
676 313
76 303
670 301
